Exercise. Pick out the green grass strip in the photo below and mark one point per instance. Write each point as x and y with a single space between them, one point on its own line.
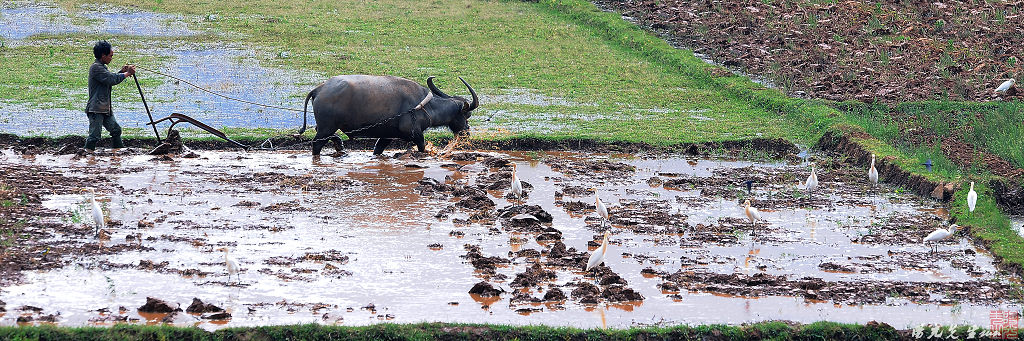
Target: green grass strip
989 225
447 331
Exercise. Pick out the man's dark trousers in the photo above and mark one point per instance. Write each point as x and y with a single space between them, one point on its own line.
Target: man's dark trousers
96 124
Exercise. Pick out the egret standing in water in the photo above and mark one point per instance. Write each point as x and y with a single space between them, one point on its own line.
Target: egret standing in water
597 257
97 213
517 186
940 234
972 198
751 212
1003 88
601 209
812 180
873 173
230 264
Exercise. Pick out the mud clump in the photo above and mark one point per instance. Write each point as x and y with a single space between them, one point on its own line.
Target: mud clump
480 262
533 276
558 255
155 305
485 289
554 294
198 307
223 315
620 293
587 169
648 217
473 199
840 292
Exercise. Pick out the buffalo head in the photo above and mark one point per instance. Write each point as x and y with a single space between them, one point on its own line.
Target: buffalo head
457 104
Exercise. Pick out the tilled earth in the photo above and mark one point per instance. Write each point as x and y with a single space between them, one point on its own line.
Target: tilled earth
417 236
852 50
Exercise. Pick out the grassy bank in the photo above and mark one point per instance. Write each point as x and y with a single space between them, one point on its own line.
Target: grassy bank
435 331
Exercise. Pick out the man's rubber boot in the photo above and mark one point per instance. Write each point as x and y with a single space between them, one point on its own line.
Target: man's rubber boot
90 145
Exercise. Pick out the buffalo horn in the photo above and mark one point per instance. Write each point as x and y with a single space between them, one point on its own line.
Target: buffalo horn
434 89
476 100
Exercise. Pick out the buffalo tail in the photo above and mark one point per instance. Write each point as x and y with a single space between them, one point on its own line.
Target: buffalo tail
305 105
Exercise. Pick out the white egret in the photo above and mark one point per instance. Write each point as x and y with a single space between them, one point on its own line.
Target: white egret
812 180
517 186
597 257
751 212
1003 88
601 209
940 234
230 264
873 173
972 198
97 213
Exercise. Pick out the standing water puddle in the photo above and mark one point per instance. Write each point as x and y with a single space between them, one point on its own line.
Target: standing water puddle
360 240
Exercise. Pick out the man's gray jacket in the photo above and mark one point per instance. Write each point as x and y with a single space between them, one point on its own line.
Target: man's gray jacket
100 82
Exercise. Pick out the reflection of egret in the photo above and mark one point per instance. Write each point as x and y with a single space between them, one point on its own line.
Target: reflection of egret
231 264
940 234
873 173
517 186
812 180
97 213
597 257
972 198
601 209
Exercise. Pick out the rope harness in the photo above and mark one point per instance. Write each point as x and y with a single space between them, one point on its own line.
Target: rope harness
268 141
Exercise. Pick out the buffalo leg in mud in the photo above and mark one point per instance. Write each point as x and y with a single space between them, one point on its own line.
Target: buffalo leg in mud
339 147
418 139
321 139
382 143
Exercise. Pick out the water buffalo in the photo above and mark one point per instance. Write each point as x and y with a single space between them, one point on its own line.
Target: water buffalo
384 107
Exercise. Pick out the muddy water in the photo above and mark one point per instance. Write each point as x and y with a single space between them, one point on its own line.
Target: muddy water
350 241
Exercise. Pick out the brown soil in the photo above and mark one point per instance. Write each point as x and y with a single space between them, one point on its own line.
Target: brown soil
776 147
840 292
865 51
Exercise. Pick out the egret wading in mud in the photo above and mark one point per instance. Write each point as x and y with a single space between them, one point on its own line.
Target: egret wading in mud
97 213
597 257
1003 88
230 264
517 186
812 180
872 172
751 212
601 209
940 234
972 198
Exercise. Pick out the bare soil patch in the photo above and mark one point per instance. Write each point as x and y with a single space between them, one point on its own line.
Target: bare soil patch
852 50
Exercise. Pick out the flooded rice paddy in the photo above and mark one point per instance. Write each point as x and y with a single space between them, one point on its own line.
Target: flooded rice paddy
406 238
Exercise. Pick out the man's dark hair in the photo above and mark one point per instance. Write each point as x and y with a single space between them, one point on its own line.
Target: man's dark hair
101 49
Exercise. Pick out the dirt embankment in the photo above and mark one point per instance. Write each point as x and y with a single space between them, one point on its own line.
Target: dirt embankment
852 50
888 171
775 147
